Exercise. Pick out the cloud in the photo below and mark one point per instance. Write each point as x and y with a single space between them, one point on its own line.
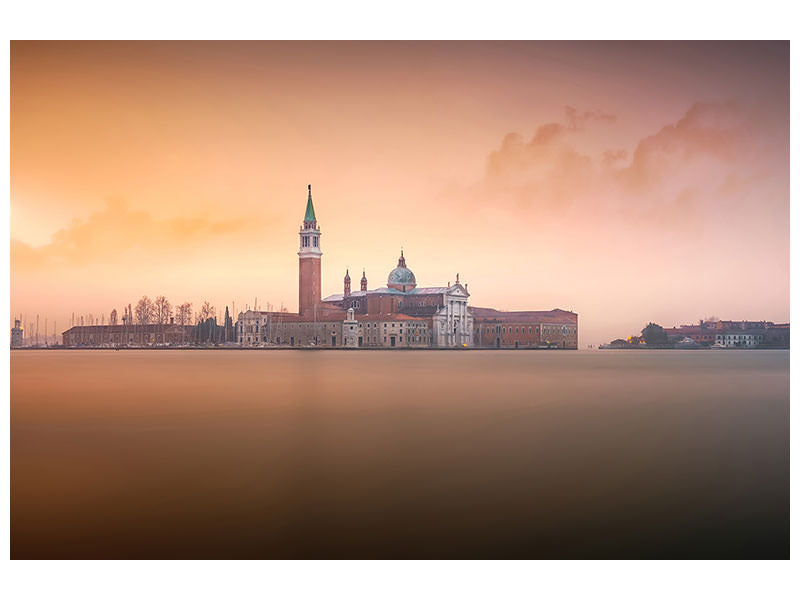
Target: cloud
715 158
118 232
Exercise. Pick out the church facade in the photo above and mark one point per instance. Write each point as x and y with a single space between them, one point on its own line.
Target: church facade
399 314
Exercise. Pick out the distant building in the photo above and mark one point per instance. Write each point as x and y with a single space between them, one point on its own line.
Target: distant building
740 338
733 334
129 335
777 336
17 339
525 329
399 315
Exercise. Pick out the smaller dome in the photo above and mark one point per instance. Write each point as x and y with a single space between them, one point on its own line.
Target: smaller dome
401 278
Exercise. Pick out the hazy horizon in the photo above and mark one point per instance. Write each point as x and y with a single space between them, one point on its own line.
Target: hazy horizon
627 181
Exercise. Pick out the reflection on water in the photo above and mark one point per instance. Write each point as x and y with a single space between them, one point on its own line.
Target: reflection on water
326 454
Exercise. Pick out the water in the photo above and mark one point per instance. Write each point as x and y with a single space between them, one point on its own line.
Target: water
326 454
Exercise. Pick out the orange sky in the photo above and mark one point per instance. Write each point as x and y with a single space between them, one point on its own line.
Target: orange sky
626 181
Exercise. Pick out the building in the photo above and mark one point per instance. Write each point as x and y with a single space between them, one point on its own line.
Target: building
525 329
740 338
730 334
442 310
399 314
704 334
17 339
777 336
129 335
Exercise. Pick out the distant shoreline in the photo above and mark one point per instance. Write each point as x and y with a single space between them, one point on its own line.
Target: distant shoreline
694 348
250 348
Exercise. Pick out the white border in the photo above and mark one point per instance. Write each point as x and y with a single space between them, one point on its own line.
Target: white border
412 19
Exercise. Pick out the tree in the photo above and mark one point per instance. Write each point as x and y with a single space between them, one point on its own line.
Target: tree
183 313
206 311
162 310
654 335
144 311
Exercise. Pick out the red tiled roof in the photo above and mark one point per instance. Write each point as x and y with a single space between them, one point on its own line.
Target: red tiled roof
388 317
525 316
329 315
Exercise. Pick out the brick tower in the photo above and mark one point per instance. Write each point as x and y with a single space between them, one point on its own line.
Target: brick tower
310 260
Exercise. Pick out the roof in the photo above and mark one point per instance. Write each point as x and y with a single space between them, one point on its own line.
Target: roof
362 293
742 332
332 316
310 216
386 290
525 316
323 316
402 276
389 317
132 328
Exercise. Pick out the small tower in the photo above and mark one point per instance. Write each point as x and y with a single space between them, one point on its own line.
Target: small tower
310 260
350 327
347 283
363 280
16 335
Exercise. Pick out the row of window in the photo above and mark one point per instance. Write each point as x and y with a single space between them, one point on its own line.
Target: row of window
497 329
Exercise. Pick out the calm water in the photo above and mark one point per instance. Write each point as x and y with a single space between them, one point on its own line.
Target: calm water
326 454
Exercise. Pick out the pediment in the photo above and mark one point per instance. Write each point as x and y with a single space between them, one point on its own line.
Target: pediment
457 290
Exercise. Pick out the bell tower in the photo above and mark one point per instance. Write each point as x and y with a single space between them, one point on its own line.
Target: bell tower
310 260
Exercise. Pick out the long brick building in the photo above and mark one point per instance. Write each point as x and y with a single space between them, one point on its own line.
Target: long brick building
129 335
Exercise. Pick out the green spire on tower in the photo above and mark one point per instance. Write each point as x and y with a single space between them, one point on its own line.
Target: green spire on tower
310 216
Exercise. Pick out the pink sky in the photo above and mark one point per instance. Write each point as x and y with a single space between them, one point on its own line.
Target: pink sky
625 181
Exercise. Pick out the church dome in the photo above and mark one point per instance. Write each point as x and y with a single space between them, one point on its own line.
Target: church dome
401 278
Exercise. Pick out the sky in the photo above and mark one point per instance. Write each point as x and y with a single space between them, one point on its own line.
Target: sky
626 181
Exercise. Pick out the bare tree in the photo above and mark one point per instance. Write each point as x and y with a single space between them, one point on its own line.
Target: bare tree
144 311
163 310
206 311
183 313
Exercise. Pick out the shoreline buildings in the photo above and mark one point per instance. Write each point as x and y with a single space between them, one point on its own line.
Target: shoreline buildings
397 315
714 334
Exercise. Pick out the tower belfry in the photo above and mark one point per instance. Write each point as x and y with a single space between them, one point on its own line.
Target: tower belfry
310 255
